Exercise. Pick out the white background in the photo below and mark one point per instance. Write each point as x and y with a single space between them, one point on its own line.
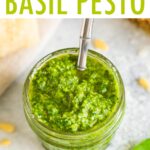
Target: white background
71 7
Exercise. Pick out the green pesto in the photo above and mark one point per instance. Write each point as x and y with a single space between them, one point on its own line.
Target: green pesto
67 100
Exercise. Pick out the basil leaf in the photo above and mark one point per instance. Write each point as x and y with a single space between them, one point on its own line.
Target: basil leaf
144 145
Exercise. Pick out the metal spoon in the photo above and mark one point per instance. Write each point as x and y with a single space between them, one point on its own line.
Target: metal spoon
85 39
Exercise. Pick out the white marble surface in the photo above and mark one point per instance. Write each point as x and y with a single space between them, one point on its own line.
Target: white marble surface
129 51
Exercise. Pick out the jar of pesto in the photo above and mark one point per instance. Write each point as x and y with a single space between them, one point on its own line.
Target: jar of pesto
70 109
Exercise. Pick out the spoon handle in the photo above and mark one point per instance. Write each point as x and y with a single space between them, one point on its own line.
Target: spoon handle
85 39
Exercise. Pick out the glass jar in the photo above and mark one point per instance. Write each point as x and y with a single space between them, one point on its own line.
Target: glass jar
96 139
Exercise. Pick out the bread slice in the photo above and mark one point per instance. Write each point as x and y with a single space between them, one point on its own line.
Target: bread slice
144 23
16 34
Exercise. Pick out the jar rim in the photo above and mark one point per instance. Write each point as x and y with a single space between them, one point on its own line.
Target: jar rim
86 133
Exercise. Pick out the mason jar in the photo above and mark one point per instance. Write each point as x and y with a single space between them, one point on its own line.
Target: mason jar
96 139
